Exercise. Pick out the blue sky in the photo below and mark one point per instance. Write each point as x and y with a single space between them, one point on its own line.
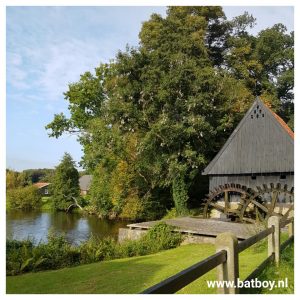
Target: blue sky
49 47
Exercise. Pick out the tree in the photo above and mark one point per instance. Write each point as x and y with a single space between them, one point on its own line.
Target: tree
25 198
65 185
15 179
165 108
36 175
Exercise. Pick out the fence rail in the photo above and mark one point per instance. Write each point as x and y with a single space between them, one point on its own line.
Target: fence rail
254 239
286 243
226 258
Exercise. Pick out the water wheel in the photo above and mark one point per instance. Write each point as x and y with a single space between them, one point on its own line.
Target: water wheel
266 201
220 199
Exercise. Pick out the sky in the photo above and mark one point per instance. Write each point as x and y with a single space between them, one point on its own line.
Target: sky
49 47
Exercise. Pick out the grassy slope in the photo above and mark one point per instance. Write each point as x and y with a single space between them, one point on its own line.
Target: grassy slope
129 275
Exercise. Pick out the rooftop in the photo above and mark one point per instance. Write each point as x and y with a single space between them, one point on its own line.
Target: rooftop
40 185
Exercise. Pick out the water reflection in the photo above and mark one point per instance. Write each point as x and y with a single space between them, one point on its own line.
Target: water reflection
35 225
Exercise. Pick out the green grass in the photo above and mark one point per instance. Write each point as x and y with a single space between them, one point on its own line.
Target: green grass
130 275
281 272
47 203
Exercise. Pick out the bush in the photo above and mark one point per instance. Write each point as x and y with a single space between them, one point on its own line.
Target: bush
24 256
24 198
162 237
171 214
18 254
95 250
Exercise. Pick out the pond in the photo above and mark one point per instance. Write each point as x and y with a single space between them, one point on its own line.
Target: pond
77 227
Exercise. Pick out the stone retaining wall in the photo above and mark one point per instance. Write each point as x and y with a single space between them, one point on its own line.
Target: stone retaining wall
135 234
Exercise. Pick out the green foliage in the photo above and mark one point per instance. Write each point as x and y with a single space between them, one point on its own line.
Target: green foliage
23 256
24 198
171 214
65 185
37 175
99 193
47 203
163 236
166 107
180 195
57 253
15 179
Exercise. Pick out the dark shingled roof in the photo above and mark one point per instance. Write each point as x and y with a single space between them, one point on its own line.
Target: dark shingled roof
85 182
261 143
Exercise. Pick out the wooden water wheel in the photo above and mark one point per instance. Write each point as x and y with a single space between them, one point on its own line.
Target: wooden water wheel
252 205
220 199
266 201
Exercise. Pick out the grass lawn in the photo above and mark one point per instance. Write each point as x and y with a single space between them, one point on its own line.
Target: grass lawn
47 203
130 275
272 272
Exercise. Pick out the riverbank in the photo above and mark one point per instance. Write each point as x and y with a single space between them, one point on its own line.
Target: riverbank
129 275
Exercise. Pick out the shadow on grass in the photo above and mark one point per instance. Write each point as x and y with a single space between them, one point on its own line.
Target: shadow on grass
283 272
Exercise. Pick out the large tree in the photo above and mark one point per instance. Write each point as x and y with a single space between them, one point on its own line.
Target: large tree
165 108
65 185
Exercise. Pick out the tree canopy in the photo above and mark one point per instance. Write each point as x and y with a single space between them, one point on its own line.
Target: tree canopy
151 119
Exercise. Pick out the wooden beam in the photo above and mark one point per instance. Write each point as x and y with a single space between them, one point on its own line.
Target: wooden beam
254 239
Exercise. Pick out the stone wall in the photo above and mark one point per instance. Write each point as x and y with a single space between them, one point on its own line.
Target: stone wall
130 234
135 234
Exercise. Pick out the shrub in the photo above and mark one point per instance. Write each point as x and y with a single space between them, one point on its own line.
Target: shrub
24 198
94 250
56 253
172 213
18 254
162 237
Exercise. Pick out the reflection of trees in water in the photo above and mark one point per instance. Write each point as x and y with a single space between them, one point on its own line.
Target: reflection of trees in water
64 222
104 228
21 214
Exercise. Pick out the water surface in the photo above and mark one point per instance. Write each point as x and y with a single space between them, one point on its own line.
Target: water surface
77 228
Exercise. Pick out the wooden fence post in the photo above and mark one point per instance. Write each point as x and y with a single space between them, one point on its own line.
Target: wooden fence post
274 238
291 228
229 270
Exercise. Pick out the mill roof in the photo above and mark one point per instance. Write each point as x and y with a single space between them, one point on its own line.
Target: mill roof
261 143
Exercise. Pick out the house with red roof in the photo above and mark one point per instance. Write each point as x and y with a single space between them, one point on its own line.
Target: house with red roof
43 188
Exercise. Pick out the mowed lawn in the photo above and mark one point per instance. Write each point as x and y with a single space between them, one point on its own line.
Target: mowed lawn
129 275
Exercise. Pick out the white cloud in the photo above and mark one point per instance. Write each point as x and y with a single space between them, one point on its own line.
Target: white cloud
48 69
16 75
63 63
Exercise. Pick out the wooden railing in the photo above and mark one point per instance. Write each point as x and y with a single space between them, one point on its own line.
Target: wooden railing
226 259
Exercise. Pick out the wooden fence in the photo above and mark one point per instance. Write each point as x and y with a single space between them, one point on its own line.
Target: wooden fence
226 259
